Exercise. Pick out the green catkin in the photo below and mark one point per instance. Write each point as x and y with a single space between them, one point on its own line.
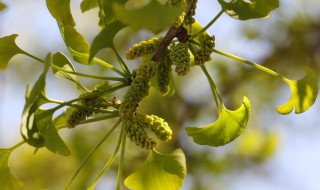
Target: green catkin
202 55
180 56
75 117
175 3
164 71
139 88
143 48
157 125
137 134
188 19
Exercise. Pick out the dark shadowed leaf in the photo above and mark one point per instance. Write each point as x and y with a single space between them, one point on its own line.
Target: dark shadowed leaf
7 180
159 172
105 38
8 49
2 6
244 10
304 93
52 140
154 16
60 10
228 127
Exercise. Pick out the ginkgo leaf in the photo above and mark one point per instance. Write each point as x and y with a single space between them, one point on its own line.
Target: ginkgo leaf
7 180
77 45
60 60
88 4
110 15
228 127
2 6
304 93
52 141
105 38
154 16
60 10
159 171
34 99
8 49
244 10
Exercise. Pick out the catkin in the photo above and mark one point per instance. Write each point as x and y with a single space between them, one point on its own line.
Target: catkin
143 48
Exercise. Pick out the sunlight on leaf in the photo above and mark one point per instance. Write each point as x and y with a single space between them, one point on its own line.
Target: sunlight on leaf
155 16
52 140
105 38
88 4
2 6
159 171
60 10
228 127
244 10
7 180
8 49
60 60
304 93
78 46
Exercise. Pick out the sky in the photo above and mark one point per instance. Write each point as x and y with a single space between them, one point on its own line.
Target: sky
295 165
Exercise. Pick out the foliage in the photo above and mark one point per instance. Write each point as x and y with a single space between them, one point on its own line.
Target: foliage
185 46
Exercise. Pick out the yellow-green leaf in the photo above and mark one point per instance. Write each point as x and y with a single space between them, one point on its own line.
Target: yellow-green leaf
7 180
304 93
244 10
228 127
60 10
154 16
2 6
88 4
8 49
159 172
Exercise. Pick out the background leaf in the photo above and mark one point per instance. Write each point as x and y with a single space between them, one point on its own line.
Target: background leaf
7 180
88 4
244 10
228 127
105 38
154 16
2 6
60 10
8 49
159 171
304 93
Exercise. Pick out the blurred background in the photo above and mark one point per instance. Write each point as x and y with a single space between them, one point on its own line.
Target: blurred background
274 152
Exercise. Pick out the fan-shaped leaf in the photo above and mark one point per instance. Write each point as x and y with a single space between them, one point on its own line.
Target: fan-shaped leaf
7 180
88 4
244 10
304 93
60 10
228 127
60 60
154 16
8 49
105 38
159 171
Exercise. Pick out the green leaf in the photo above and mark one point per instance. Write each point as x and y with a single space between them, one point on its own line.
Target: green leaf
34 99
8 49
105 38
244 10
60 10
60 60
159 171
52 140
88 4
153 17
7 180
107 7
228 127
304 93
2 6
78 46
